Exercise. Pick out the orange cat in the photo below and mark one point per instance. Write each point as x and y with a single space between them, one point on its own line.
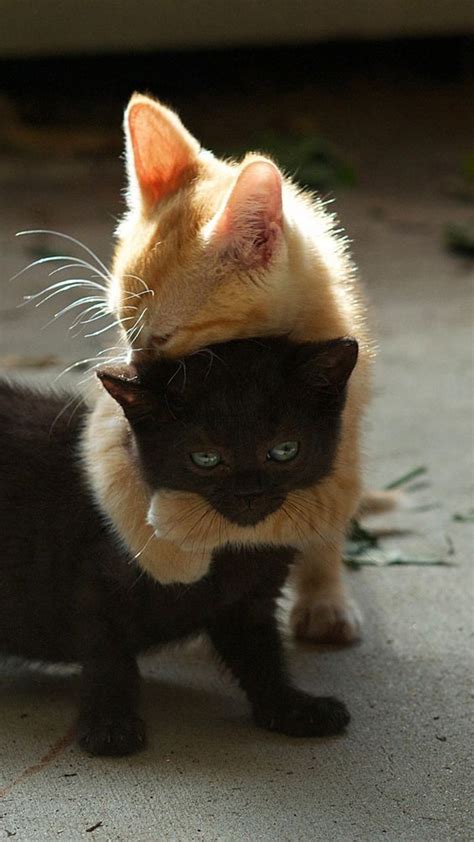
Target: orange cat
212 250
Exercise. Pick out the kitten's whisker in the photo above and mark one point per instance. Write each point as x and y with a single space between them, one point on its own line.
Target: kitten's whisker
76 262
63 286
77 399
102 330
81 264
101 315
78 303
309 502
133 333
80 320
71 240
100 360
146 291
53 258
313 530
145 545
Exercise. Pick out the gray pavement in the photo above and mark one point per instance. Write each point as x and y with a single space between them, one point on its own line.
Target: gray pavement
402 771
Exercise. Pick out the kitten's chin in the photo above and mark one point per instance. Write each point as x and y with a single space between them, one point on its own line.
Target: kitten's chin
248 517
194 524
182 518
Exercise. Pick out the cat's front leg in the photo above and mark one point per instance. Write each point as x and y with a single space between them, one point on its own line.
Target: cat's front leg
247 639
108 720
323 611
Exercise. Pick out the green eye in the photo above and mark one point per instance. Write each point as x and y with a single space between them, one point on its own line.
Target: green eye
206 458
284 452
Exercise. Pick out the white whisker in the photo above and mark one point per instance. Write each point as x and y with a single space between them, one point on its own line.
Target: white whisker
73 266
71 240
102 330
80 320
88 299
77 261
146 291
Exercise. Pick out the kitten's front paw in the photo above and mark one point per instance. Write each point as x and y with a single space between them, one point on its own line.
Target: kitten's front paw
302 715
326 619
113 736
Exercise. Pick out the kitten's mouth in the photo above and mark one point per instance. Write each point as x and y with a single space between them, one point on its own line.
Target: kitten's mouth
249 512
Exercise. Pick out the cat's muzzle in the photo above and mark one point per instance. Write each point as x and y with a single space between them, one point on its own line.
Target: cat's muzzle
248 509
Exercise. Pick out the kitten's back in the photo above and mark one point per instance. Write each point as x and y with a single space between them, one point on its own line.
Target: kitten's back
43 506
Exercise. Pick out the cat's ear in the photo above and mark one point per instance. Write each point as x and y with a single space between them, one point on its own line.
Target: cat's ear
161 153
250 226
328 365
124 386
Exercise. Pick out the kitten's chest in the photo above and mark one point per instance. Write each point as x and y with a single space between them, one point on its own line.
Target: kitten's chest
237 575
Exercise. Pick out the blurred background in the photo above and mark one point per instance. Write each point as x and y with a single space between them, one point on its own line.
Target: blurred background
371 104
367 102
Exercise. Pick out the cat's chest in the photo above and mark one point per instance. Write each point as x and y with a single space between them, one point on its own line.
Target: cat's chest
237 575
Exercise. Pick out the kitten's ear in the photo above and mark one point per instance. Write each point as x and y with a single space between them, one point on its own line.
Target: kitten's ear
250 226
328 364
123 384
161 153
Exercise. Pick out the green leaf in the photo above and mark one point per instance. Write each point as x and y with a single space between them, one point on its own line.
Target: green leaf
459 239
464 517
403 480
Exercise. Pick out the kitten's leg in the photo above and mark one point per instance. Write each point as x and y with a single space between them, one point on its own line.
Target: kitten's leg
323 610
247 638
108 721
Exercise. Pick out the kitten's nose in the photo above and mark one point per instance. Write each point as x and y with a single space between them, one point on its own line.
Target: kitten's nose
249 498
249 490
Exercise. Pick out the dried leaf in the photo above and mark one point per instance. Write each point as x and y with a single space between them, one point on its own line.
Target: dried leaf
18 361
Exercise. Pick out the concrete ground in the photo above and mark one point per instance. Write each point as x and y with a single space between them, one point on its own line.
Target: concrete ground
402 770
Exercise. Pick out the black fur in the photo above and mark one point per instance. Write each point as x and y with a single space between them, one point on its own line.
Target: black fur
69 592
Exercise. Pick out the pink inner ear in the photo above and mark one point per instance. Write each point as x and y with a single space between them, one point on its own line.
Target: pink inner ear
250 226
163 152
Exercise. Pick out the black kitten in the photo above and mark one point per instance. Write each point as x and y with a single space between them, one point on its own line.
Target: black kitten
241 425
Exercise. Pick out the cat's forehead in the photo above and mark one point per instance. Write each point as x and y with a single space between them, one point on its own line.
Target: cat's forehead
231 366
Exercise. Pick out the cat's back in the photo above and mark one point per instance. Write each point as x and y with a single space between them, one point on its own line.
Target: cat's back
38 432
47 522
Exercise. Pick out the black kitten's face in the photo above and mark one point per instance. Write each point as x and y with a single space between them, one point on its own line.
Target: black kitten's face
242 423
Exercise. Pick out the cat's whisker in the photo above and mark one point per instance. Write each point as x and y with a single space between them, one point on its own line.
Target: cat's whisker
75 262
62 286
86 300
102 330
99 359
71 240
76 399
145 546
100 315
313 530
73 266
146 290
52 258
309 502
133 333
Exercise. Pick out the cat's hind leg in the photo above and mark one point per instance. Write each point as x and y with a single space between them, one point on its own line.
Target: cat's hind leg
323 611
108 720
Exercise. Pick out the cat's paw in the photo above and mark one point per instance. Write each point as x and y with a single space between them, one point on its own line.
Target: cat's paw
326 619
302 715
113 736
